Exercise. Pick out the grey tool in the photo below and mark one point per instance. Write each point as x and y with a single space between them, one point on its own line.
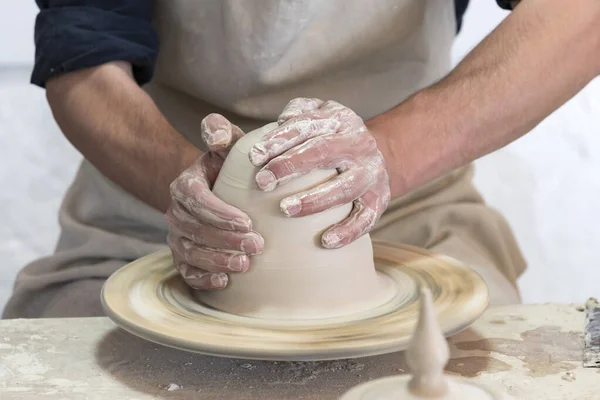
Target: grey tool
591 346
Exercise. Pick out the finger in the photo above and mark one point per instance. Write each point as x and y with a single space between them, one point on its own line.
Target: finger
201 280
219 134
191 192
341 189
291 134
343 114
321 152
360 221
331 105
206 235
207 259
297 107
209 166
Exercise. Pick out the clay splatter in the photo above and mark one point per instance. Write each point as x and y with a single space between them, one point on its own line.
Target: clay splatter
172 387
545 350
299 373
474 366
568 376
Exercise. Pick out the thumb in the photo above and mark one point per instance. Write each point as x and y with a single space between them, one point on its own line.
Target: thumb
219 134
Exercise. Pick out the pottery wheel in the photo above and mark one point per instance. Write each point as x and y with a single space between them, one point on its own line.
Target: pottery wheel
149 299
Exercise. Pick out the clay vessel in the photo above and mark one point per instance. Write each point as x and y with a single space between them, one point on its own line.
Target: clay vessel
295 277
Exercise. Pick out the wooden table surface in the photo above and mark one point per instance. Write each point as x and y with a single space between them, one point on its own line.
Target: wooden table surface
529 351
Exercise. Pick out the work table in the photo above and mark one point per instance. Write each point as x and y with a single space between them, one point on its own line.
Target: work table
531 352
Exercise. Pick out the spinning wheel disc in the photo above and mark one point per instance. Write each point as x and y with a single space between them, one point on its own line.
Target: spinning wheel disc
149 299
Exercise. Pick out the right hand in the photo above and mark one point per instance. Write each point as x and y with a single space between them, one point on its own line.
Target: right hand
209 238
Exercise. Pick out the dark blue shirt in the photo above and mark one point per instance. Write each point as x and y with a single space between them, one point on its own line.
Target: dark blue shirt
76 34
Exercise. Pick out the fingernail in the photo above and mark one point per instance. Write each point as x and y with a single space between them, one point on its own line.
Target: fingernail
218 137
258 154
218 280
266 180
238 263
252 244
249 245
291 206
331 240
242 224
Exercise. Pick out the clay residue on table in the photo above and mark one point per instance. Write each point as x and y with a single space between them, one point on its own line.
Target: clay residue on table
544 351
471 367
149 368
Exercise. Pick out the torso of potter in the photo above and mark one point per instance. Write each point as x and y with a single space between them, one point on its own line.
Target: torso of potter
247 59
294 277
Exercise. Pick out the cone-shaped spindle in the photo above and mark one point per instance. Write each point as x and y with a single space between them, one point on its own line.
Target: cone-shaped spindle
428 353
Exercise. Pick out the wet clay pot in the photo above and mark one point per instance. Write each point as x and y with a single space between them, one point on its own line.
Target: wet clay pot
294 277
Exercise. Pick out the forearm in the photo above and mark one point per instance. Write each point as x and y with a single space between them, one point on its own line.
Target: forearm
543 54
118 128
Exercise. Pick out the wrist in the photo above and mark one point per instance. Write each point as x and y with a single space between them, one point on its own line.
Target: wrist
416 142
386 143
126 137
182 156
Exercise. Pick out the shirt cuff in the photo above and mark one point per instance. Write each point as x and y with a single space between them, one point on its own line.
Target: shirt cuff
77 37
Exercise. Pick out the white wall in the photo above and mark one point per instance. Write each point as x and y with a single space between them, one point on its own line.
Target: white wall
546 184
16 31
36 162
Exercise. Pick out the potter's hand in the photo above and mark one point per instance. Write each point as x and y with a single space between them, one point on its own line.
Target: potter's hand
326 135
207 237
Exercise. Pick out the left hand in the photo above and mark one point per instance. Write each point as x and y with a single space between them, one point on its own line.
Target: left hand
326 135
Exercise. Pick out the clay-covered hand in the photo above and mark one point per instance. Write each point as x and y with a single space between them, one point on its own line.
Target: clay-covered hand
326 135
209 238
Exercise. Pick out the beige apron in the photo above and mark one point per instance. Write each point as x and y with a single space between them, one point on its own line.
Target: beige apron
246 60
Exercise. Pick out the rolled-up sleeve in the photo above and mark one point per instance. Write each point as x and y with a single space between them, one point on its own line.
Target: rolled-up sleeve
76 34
508 4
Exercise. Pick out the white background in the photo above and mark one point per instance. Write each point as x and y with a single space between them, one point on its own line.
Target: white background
546 184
